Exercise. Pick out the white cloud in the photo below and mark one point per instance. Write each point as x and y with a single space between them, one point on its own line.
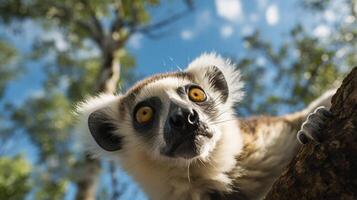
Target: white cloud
322 31
330 16
59 41
230 10
247 30
135 41
187 34
226 31
272 15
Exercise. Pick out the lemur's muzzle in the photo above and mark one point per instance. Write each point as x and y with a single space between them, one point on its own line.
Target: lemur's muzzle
183 120
181 128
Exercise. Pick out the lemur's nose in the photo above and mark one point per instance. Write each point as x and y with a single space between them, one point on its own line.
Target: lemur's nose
184 119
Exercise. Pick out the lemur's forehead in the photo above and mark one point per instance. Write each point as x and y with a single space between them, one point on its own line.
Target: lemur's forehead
157 85
161 88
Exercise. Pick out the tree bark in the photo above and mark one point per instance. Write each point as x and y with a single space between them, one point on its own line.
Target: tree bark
327 170
87 178
89 170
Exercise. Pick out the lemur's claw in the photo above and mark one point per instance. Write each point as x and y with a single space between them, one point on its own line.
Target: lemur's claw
311 128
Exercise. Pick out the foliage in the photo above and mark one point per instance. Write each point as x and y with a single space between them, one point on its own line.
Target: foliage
78 36
301 68
7 69
14 178
77 39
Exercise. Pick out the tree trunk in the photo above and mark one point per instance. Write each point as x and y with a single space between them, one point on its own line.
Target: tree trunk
327 170
87 178
89 170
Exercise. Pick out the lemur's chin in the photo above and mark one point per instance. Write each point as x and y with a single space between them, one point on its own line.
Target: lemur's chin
190 147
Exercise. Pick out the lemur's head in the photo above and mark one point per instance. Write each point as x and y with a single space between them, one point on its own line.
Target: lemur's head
176 115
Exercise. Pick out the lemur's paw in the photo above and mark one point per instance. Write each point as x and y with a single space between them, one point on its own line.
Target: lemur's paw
311 128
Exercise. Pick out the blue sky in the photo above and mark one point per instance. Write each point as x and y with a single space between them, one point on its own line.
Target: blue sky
213 26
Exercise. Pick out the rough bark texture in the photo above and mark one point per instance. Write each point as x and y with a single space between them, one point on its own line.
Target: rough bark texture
327 170
88 177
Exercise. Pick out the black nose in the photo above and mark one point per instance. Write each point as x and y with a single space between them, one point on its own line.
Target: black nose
183 119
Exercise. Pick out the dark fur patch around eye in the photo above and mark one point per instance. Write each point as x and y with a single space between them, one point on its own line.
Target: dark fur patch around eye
102 130
217 81
148 129
181 91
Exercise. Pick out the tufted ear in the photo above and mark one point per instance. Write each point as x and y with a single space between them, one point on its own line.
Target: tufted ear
211 70
99 116
102 128
217 81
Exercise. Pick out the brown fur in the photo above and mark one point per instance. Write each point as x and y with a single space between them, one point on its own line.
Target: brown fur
241 160
137 87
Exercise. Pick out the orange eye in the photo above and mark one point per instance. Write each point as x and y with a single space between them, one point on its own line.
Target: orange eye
196 94
144 114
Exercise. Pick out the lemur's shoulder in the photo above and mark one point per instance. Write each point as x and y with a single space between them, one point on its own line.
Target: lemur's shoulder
253 125
257 129
249 125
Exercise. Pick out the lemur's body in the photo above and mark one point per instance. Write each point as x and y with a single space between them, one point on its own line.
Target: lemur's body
178 145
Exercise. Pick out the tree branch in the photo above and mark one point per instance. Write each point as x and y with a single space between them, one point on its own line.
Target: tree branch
326 170
94 26
161 24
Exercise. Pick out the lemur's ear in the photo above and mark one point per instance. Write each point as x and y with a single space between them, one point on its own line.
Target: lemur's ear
218 74
217 81
103 128
99 116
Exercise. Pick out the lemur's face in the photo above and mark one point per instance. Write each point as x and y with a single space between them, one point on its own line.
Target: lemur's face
176 115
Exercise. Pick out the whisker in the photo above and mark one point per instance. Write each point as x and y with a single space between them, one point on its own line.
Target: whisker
214 118
188 172
201 161
220 122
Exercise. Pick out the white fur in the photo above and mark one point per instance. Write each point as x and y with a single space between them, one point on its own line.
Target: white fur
167 178
230 72
177 178
84 109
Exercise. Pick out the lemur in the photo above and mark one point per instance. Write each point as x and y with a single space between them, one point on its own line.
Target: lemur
178 136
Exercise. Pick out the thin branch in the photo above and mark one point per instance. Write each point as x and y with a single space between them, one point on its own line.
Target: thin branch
161 24
119 13
88 27
95 26
147 30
